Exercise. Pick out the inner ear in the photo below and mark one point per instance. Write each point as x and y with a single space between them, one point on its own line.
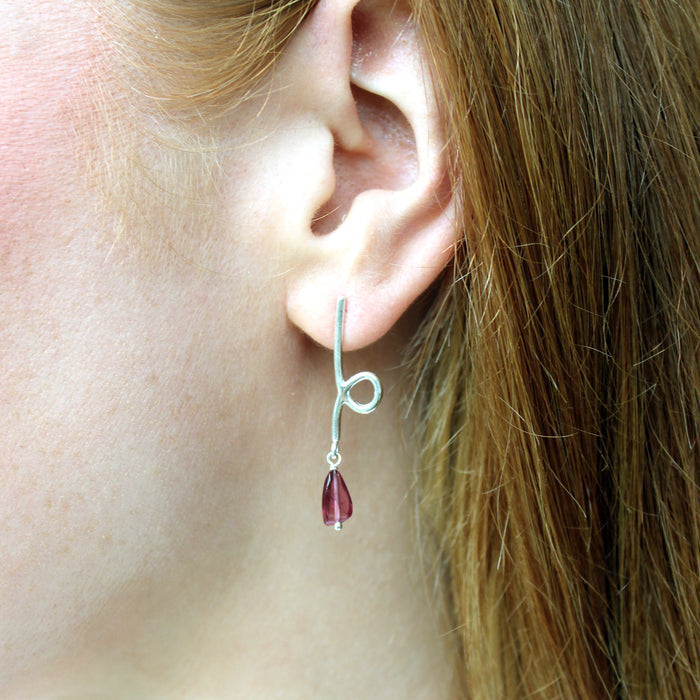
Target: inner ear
388 162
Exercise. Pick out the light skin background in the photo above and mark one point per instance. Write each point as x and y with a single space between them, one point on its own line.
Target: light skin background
165 419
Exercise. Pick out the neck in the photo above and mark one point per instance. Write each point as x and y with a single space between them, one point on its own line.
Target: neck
248 594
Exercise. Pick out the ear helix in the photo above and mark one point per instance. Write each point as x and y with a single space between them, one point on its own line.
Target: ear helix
336 503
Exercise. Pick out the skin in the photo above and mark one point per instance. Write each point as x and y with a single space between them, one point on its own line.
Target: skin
165 425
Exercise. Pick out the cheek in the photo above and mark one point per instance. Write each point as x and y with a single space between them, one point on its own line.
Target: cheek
44 63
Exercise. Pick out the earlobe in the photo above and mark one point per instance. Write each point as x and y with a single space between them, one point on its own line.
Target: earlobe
387 231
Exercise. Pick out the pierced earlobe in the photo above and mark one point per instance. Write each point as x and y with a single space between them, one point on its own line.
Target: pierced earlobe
382 228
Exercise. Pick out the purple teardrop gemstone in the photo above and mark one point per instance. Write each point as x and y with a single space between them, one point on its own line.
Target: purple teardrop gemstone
336 503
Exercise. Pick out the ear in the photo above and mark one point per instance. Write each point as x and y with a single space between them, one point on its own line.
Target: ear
387 229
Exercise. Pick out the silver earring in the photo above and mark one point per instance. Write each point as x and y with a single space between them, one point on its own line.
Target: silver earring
336 501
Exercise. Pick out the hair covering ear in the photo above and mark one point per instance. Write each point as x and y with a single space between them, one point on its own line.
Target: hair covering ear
387 229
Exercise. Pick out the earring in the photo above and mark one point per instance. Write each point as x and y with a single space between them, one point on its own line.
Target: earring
336 501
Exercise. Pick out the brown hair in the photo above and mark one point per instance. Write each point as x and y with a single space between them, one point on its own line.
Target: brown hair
167 75
558 369
198 58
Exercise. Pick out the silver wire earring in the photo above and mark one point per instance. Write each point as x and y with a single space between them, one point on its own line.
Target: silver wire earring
336 501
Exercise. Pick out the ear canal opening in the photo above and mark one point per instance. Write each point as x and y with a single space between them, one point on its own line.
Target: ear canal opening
389 161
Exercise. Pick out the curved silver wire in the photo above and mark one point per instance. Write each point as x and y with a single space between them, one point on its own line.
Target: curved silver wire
344 397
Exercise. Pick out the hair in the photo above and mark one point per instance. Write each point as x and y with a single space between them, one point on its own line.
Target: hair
168 75
558 370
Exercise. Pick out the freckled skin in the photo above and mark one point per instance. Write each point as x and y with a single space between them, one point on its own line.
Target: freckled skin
42 90
116 404
163 425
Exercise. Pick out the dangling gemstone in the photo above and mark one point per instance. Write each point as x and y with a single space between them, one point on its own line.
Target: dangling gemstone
336 503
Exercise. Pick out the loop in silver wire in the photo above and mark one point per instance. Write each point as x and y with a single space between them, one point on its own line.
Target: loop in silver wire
334 459
344 398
